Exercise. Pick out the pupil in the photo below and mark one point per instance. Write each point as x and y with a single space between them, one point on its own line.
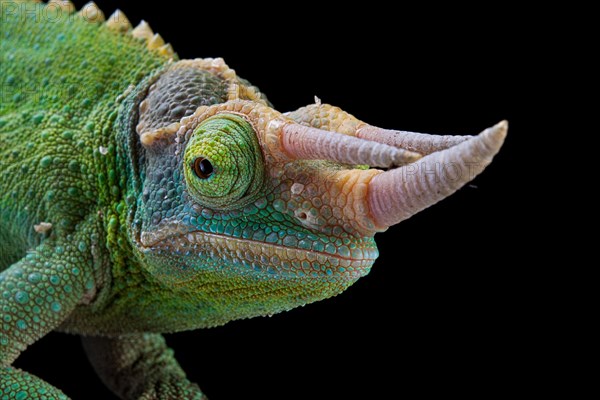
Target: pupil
203 168
206 167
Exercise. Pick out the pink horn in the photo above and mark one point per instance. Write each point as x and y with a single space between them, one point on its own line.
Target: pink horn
303 142
397 194
418 142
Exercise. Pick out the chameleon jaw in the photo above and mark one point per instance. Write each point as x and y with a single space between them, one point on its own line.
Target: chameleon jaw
267 259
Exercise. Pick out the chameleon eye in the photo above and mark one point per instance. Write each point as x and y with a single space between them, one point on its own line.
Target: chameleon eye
203 168
225 149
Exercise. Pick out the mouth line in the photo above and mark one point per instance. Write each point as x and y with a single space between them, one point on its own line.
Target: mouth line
233 244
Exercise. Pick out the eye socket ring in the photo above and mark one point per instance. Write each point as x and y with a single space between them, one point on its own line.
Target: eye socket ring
202 168
222 163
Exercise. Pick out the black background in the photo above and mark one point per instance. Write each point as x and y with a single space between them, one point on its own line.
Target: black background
440 312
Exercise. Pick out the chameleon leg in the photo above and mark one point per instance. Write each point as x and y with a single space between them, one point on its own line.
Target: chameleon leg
37 293
16 384
140 367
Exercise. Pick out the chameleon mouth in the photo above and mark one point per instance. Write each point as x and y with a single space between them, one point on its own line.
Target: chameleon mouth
269 258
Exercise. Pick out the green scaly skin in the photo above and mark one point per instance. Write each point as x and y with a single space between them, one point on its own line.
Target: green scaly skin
142 195
55 116
70 157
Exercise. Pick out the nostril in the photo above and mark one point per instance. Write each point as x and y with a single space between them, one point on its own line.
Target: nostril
302 215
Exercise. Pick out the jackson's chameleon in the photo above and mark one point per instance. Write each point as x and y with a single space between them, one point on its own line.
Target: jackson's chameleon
141 194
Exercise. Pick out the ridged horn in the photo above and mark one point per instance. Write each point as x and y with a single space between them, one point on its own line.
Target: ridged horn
326 116
303 142
413 141
397 194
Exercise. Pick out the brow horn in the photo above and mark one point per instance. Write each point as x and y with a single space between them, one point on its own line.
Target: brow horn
303 142
417 142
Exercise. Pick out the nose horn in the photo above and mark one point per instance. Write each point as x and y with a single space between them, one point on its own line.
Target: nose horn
398 194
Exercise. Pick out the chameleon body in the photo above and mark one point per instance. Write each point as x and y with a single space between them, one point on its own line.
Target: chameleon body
140 195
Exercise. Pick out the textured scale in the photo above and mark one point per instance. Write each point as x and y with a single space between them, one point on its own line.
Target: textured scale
57 150
55 118
109 229
179 94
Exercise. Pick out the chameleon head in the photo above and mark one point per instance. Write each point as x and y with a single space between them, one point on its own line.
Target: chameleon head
252 212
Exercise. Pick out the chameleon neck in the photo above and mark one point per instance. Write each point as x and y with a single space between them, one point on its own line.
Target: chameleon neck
57 119
63 96
129 157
